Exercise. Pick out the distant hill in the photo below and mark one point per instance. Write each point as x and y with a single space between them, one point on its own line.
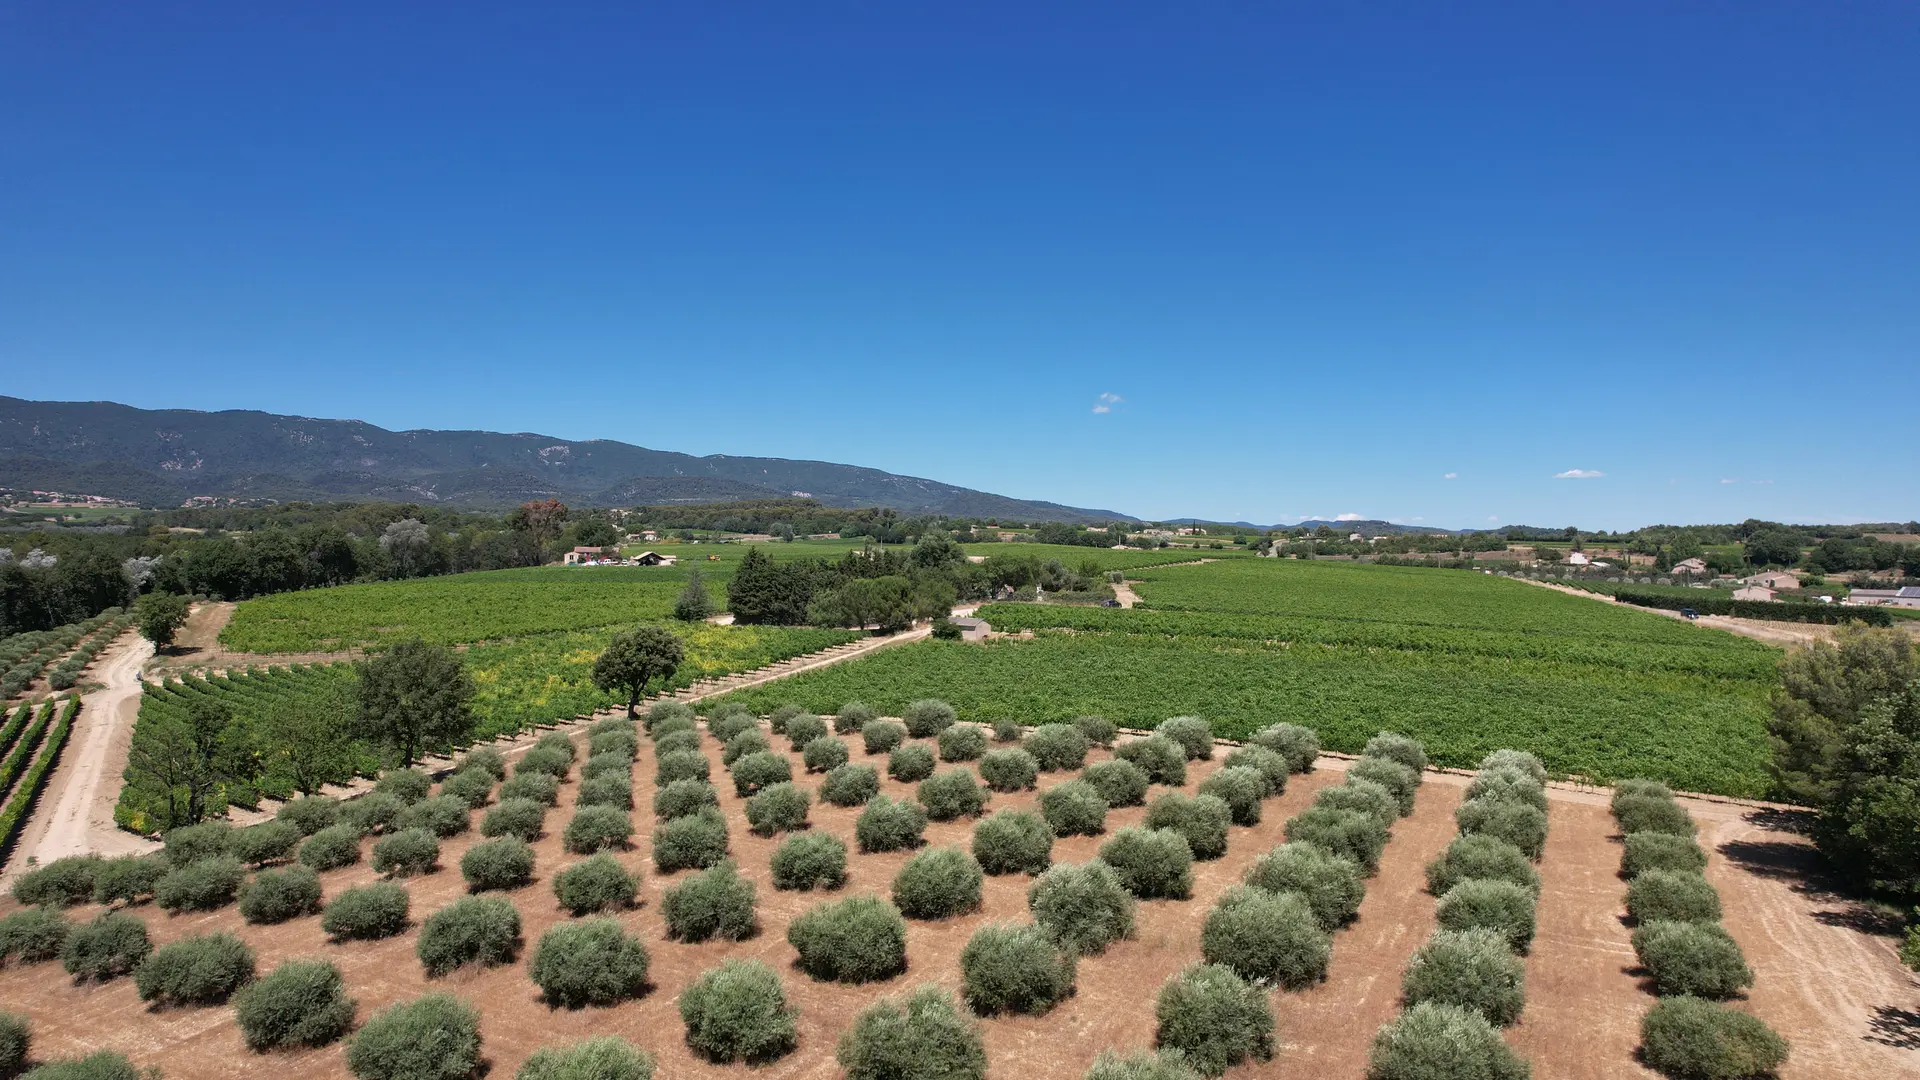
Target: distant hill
1369 526
164 457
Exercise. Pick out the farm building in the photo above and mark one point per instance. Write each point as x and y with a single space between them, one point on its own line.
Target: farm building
591 556
1690 566
1773 579
653 558
1905 597
1753 592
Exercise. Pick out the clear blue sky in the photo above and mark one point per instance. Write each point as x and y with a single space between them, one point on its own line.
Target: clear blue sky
1378 259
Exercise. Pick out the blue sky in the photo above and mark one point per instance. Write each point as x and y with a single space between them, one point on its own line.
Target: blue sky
1234 261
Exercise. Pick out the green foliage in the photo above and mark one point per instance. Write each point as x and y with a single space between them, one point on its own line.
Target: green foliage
1075 808
300 1003
1267 937
597 883
1672 895
809 861
433 1037
536 787
1202 819
1400 781
661 712
192 843
1521 824
375 811
597 828
849 785
1140 1065
927 717
590 962
923 1037
1690 1039
204 969
61 883
681 765
113 944
1500 906
621 746
852 717
1007 730
1661 851
1442 1042
1120 782
1193 734
613 790
16 1035
738 1012
963 742
882 736
856 940
1082 907
1331 886
715 903
1364 796
1299 745
1701 959
938 884
778 808
759 770
522 818
1215 1018
269 841
1518 760
1272 768
636 658
274 896
1478 855
824 754
1151 863
889 825
545 761
100 1065
1009 769
366 913
1350 834
1241 789
200 886
414 696
32 936
471 786
481 930
1162 759
1013 842
132 877
1397 747
405 853
1508 783
696 841
1650 813
910 763
442 815
802 730
506 863
1057 747
1099 730
952 794
407 785
603 1057
489 760
683 797
1470 969
1014 969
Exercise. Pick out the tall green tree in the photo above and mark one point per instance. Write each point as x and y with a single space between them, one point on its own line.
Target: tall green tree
636 658
309 739
694 605
1823 687
160 615
412 696
186 757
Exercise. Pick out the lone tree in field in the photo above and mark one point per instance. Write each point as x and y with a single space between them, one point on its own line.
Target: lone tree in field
160 615
412 696
694 604
540 522
188 758
636 658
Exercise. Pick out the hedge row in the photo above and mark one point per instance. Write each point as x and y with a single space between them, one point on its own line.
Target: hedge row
1775 610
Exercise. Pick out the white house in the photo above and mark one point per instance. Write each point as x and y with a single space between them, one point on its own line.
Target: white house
1577 558
1773 579
1906 597
1690 566
1753 592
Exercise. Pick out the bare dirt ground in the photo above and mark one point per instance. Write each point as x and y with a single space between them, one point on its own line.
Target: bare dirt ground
197 646
1123 592
1826 980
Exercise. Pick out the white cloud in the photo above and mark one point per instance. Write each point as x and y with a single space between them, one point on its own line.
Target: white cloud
1493 517
1105 402
1729 480
1451 476
1348 517
1579 474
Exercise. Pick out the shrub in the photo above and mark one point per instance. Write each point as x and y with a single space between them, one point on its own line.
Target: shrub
750 741
434 1037
99 1065
663 711
489 760
1215 1018
483 930
1669 895
1299 745
882 736
1202 819
1057 747
1442 1042
1508 784
963 742
782 716
1517 760
545 761
506 863
725 726
681 765
922 1036
301 1003
1331 885
849 785
1269 765
616 764
1007 730
852 717
715 903
622 744
1662 851
603 1057
374 812
1075 808
1637 788
1398 780
192 843
331 848
597 828
1160 758
802 730
1241 789
1151 862
889 825
200 886
1348 833
1192 733
1267 937
557 742
938 884
1500 906
1397 747
132 877
1014 969
366 913
695 841
15 1036
824 754
760 770
1520 824
927 717
1098 729
809 861
952 794
309 813
683 797
1140 1065
62 882
32 936
442 815
113 944
1013 842
1082 907
599 883
1363 795
541 788
856 940
910 763
1010 769
1470 969
1647 813
610 789
407 785
274 896
1692 1039
590 962
777 809
472 787
1478 855
738 1012
411 851
204 969
521 818
1700 959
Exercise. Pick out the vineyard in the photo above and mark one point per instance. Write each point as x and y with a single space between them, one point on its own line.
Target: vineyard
23 657
30 746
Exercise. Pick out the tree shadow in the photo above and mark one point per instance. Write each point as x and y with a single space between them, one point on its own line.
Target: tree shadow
1800 867
1797 822
1894 1026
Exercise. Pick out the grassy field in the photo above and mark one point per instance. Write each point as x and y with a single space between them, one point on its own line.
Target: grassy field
1105 558
1467 663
